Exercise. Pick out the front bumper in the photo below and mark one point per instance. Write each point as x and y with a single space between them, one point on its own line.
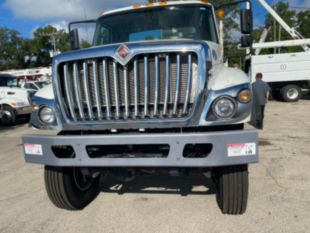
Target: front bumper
24 110
220 155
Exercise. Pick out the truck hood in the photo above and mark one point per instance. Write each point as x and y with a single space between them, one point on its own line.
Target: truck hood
46 92
8 95
135 48
18 91
222 77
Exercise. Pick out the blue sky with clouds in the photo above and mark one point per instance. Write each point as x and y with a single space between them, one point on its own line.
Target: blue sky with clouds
26 15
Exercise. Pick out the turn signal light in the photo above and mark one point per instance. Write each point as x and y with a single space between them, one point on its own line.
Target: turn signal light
136 6
244 96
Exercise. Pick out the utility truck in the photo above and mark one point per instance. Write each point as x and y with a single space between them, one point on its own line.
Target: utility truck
14 101
151 94
288 74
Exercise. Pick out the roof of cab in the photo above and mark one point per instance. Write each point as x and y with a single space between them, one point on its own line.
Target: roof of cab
157 4
4 75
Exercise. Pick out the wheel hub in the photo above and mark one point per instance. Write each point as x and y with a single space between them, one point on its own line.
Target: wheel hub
82 181
6 117
292 93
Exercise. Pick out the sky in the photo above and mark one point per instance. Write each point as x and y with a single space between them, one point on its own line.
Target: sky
27 15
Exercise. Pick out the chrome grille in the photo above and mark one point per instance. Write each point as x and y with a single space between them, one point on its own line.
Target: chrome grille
150 86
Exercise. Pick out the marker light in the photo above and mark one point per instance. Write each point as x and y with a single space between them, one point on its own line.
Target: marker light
136 6
220 13
244 96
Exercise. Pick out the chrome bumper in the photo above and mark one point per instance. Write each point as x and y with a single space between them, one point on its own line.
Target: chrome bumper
223 151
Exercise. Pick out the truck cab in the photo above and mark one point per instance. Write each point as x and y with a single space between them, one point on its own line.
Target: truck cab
148 95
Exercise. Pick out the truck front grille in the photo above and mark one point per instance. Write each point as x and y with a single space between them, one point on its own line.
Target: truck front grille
150 86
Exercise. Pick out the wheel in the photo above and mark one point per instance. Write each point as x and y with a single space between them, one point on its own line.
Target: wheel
9 116
232 189
69 188
291 93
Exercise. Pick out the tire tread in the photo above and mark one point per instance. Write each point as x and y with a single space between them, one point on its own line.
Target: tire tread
55 185
232 192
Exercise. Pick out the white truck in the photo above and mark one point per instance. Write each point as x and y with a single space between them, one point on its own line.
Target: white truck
14 101
288 74
152 94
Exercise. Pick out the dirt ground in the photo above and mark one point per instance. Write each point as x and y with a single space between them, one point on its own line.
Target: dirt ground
279 198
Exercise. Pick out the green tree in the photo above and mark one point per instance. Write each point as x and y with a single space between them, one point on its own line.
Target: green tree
10 49
276 32
46 39
303 22
231 32
85 44
14 49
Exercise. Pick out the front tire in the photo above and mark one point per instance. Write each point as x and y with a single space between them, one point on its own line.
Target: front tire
68 188
9 117
232 189
291 93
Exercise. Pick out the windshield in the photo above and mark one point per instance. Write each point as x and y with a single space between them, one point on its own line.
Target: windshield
158 23
41 84
8 82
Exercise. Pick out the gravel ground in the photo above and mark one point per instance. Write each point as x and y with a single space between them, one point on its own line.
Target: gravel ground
279 199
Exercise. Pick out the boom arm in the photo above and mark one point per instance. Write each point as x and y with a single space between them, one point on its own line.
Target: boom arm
262 39
286 27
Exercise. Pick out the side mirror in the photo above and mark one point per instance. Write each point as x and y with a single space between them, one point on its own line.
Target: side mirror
74 39
246 41
81 33
246 21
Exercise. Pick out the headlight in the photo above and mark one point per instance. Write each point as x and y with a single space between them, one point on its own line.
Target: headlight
244 96
224 107
46 115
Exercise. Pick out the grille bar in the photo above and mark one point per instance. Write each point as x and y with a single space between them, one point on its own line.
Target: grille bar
77 90
167 87
69 95
156 86
146 91
177 88
136 88
96 83
115 78
188 85
106 88
86 89
126 92
151 86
